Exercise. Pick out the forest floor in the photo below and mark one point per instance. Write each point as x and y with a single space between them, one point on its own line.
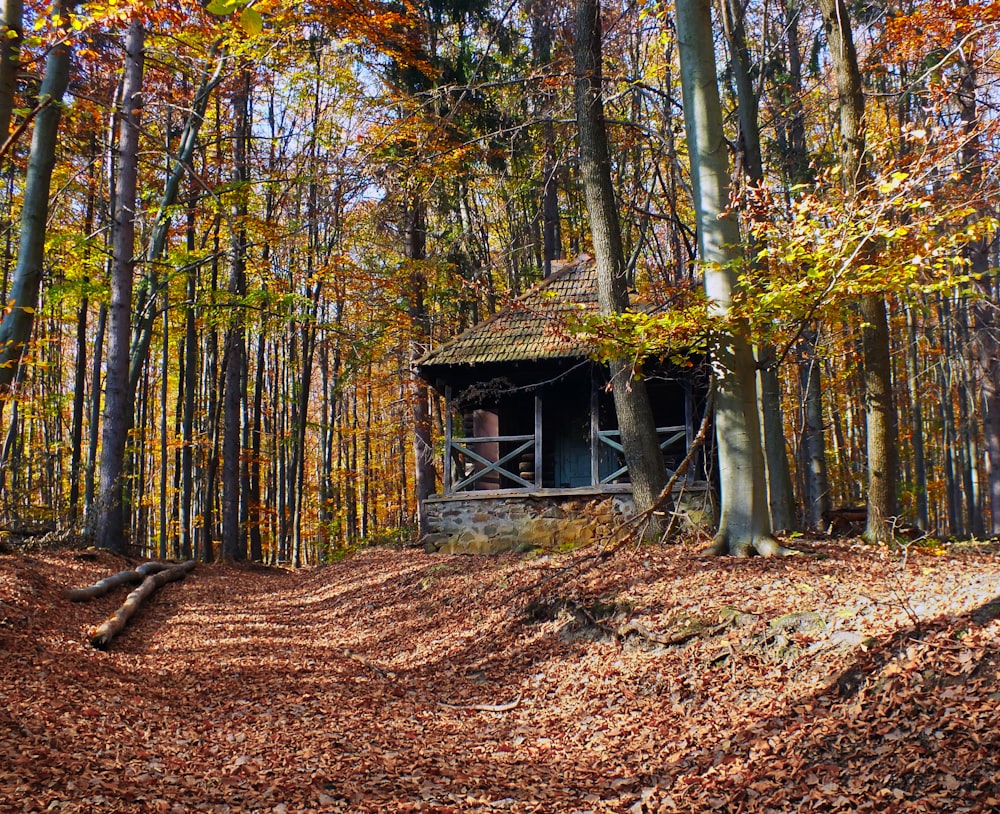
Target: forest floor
657 680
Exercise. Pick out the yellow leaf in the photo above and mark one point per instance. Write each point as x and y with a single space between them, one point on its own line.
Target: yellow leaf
251 21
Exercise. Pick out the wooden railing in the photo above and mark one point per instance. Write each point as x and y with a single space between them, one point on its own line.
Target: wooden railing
514 462
463 456
518 459
611 438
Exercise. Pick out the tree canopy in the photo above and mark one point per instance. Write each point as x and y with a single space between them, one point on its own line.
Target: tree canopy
288 156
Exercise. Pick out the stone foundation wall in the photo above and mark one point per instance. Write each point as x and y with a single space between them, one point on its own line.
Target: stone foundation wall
489 525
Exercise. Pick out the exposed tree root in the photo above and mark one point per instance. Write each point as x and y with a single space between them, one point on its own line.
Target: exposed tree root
766 546
680 635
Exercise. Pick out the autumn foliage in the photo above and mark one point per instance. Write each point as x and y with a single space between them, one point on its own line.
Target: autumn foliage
358 110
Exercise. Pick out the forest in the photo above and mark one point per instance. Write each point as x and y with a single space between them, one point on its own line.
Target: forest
229 229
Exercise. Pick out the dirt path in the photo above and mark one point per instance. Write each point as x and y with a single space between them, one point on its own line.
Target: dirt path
393 681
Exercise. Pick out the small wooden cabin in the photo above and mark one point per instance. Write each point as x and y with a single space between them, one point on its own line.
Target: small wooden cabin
532 455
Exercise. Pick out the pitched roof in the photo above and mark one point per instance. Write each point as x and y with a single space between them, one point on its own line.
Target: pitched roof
535 326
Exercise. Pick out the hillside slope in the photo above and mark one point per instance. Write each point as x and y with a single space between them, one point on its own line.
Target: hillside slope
655 681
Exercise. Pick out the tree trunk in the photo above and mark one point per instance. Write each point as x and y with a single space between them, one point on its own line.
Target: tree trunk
164 437
880 413
779 478
635 416
190 374
145 309
792 137
302 401
987 355
110 521
880 421
76 430
212 385
541 54
80 373
233 396
744 519
985 345
254 492
90 470
10 62
813 453
15 328
414 248
916 421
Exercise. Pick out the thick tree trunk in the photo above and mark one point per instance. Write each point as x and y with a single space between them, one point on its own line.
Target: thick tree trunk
635 416
985 345
797 158
110 521
880 421
744 521
780 495
541 54
15 328
987 350
232 433
779 478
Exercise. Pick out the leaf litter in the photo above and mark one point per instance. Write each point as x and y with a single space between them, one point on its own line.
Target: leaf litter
657 680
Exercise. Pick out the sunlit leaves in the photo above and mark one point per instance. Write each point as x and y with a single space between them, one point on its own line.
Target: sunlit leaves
248 18
899 239
679 329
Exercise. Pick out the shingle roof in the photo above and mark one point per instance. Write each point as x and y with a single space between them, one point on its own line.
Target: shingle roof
535 326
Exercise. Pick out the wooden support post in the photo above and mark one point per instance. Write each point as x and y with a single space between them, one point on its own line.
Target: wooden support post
690 426
595 434
538 441
448 435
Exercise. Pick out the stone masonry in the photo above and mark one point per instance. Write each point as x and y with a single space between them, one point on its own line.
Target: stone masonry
472 524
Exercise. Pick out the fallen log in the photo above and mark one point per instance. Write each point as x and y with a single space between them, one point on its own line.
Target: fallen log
121 578
102 635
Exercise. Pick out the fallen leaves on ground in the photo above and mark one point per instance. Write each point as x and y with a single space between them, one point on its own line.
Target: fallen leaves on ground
839 680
